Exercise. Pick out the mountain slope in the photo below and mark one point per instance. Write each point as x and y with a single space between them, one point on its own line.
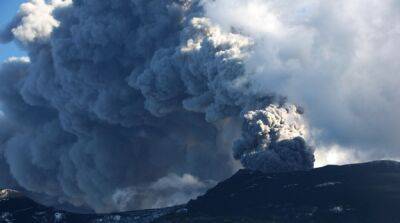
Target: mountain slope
368 192
15 208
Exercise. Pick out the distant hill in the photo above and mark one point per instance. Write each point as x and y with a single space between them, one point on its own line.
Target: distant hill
365 193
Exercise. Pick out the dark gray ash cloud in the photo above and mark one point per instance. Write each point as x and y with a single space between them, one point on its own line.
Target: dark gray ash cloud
135 104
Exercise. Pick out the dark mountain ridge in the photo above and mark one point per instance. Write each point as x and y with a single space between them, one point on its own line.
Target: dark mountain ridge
367 192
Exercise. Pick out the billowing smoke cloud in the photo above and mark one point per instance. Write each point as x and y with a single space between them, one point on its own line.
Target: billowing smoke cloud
273 140
146 103
135 104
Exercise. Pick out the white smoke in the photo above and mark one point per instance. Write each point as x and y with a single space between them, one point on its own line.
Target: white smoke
165 192
337 59
336 155
34 21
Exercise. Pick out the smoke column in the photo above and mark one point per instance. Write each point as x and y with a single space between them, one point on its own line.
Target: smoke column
135 104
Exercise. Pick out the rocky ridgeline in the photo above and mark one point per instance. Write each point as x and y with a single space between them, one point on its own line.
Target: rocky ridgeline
358 193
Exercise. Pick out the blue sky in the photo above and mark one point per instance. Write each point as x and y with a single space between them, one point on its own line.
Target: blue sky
8 8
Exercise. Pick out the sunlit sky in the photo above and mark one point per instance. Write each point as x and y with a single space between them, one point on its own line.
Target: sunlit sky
8 8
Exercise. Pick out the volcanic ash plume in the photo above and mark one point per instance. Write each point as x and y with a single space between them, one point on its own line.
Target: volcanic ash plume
273 140
135 104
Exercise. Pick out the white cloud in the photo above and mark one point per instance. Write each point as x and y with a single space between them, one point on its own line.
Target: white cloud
37 21
337 59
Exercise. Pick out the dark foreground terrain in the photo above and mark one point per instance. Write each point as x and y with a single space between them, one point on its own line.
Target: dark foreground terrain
364 193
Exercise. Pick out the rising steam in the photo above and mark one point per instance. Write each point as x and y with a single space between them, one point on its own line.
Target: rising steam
146 103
